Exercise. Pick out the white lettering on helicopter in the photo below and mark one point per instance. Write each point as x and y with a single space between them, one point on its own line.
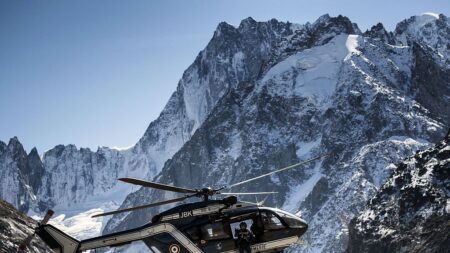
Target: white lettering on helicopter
186 214
258 247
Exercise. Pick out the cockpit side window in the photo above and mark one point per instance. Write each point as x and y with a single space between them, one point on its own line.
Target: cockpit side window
271 221
215 231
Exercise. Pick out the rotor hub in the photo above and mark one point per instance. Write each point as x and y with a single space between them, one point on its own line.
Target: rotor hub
206 192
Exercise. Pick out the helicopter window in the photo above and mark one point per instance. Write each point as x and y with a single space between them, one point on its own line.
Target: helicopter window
235 226
271 221
215 231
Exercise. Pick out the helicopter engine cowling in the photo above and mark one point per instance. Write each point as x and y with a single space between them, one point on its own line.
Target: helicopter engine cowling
231 200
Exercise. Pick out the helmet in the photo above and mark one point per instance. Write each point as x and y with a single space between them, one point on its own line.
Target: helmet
243 224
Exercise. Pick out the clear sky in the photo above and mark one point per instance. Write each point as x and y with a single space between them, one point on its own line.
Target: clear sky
96 73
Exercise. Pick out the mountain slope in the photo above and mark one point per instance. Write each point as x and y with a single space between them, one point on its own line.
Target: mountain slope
15 227
411 212
331 89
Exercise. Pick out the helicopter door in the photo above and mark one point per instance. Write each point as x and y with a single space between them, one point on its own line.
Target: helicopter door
235 226
217 237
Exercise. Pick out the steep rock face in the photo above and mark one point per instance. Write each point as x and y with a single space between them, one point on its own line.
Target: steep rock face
411 212
72 176
351 94
232 56
15 227
235 54
429 35
430 30
20 173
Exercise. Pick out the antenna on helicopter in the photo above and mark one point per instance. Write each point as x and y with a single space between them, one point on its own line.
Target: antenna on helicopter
204 193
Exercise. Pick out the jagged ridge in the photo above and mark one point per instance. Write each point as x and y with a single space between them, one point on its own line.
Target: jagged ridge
411 212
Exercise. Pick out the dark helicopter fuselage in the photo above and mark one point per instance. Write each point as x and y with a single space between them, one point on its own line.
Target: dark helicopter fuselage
206 226
212 229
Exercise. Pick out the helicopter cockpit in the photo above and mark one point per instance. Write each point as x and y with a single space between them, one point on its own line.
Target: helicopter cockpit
264 222
267 225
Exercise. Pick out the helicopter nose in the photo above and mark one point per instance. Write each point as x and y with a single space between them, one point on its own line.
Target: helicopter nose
303 227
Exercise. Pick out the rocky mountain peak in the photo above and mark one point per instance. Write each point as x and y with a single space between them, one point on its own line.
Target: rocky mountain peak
34 152
322 19
14 144
325 28
60 150
224 30
378 32
419 21
273 26
325 23
247 24
430 29
17 151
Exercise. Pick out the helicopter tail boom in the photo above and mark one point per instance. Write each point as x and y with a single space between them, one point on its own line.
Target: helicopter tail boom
57 240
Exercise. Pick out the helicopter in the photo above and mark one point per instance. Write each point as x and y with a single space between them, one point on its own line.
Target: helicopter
205 226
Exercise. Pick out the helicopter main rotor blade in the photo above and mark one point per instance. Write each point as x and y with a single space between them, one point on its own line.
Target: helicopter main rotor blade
246 193
156 185
144 206
279 170
26 242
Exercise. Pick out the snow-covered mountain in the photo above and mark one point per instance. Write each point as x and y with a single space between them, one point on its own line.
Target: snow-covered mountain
261 96
370 98
411 212
76 180
72 176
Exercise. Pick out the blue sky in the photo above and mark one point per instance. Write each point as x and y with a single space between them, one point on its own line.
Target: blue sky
96 73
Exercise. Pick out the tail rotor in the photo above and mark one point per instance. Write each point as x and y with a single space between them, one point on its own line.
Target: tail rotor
44 221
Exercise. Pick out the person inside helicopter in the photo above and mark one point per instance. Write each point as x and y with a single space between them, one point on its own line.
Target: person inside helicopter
244 238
